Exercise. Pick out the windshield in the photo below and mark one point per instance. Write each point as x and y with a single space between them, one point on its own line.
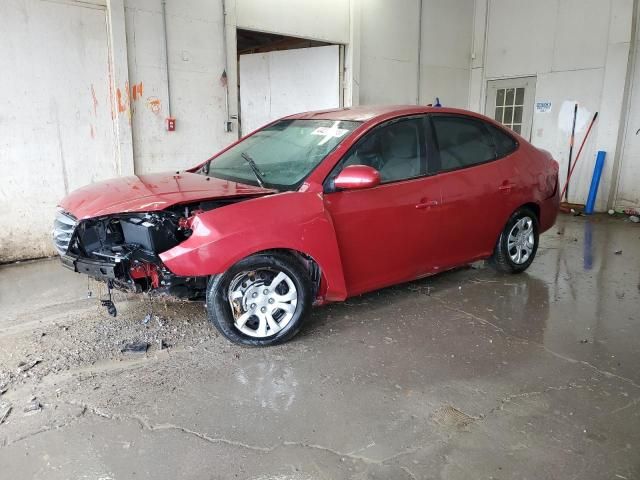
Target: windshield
281 155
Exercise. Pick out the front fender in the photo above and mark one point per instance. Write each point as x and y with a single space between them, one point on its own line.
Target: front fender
293 220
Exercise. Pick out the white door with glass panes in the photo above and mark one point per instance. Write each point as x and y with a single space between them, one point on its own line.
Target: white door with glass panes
510 102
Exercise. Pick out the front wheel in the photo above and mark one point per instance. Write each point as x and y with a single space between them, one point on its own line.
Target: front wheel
261 300
518 242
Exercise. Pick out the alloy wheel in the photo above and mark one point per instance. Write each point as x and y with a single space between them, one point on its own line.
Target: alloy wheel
262 301
521 240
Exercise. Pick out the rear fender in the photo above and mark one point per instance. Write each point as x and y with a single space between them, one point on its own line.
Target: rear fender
293 220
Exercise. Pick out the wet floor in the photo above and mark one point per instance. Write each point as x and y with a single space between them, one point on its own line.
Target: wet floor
469 374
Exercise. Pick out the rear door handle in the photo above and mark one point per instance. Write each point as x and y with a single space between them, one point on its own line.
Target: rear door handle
506 187
427 204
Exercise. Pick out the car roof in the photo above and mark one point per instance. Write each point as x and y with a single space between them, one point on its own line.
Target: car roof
368 113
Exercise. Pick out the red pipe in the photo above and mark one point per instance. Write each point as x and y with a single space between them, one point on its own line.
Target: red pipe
571 141
586 135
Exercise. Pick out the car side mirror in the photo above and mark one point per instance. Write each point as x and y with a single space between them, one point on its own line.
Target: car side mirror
356 177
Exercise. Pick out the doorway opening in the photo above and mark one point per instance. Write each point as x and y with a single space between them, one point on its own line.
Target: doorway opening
280 75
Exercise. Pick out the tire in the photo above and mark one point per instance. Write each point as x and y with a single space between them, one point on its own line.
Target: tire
511 241
263 314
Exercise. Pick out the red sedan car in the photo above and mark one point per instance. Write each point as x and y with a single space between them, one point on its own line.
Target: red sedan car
315 208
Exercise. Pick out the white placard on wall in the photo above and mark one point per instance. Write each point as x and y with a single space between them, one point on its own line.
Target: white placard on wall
543 106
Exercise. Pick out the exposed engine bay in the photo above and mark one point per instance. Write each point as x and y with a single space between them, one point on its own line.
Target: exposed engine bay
123 249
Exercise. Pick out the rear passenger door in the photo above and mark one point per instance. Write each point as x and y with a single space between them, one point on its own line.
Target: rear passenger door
475 185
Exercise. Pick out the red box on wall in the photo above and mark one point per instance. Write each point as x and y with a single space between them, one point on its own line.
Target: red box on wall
171 124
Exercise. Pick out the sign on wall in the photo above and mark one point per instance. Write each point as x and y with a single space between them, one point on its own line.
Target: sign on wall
543 106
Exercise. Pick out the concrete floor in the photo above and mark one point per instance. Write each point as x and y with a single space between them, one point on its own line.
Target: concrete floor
470 374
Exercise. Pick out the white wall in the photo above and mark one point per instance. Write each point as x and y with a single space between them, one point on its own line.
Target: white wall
326 20
284 82
445 58
395 37
196 63
57 130
389 51
578 50
46 109
383 50
627 194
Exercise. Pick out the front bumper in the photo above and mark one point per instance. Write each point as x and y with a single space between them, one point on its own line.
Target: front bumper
98 269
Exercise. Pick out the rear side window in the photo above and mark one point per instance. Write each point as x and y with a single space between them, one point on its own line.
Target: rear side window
504 143
462 141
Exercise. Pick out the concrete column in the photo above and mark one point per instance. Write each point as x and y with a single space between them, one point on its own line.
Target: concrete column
119 70
352 60
477 80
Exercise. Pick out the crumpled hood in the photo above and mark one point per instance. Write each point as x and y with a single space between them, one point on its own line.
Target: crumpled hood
146 193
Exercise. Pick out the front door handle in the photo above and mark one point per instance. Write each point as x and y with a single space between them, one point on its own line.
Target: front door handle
427 204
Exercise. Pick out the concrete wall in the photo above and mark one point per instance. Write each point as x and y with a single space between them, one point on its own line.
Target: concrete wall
401 51
398 38
51 139
445 53
196 63
389 40
627 193
578 51
326 21
58 126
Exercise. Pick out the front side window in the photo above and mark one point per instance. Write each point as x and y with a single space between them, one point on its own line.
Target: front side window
281 155
394 149
462 141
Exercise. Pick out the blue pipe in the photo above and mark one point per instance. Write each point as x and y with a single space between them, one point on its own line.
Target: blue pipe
595 182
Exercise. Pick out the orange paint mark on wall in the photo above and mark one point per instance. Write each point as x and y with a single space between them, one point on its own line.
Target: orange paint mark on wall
136 91
95 100
154 104
121 107
127 95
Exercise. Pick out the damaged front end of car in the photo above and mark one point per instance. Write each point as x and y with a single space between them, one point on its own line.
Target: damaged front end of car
123 250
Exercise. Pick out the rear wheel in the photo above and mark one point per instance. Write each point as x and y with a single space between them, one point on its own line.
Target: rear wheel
261 300
518 242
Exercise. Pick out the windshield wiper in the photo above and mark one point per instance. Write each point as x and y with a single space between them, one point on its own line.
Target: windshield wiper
259 175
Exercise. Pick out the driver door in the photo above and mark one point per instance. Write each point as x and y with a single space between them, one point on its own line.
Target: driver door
386 233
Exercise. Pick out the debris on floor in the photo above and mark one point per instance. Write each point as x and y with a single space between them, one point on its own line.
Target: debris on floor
135 347
5 410
34 405
25 366
634 218
618 252
449 416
